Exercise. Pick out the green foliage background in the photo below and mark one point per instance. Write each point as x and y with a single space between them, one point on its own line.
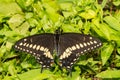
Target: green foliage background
21 18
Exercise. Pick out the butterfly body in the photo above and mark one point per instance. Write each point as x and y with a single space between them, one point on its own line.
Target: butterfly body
68 46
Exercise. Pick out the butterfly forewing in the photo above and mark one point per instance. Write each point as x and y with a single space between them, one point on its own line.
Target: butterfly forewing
72 45
41 46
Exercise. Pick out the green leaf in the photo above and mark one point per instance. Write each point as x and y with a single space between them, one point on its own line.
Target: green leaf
67 9
87 27
21 3
8 45
3 49
8 7
103 3
109 74
116 3
97 28
118 50
15 21
117 16
109 33
63 1
23 29
112 22
12 69
51 12
106 52
117 60
105 31
66 6
88 14
25 65
34 75
75 76
69 28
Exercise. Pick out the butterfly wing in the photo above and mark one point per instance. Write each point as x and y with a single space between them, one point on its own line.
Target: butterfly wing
41 46
72 45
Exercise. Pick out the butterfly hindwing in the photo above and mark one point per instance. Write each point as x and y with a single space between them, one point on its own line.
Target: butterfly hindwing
72 45
41 46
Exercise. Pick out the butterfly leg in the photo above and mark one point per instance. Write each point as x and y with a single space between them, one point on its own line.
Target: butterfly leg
68 68
41 69
70 72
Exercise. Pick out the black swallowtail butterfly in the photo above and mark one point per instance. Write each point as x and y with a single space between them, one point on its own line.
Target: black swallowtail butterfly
69 46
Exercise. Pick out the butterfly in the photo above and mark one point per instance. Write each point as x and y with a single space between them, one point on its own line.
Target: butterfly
68 46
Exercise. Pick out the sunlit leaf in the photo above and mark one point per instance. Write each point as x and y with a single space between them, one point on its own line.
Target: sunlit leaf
35 75
88 14
109 74
112 22
106 52
8 7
